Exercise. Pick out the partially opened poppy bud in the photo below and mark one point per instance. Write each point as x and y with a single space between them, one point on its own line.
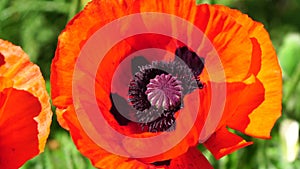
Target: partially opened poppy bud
140 84
25 112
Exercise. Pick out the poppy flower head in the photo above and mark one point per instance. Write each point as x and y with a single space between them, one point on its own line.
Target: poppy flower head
148 96
25 113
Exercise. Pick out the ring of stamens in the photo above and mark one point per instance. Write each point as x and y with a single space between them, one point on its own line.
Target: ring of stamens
156 91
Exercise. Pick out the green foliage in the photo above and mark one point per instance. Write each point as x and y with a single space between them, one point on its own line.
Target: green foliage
289 54
60 153
35 26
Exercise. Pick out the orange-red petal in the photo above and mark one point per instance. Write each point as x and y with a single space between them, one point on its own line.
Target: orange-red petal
192 159
252 96
99 157
223 142
236 112
229 38
266 68
19 140
27 76
263 118
95 15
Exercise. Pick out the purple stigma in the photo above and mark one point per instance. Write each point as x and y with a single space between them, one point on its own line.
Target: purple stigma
164 91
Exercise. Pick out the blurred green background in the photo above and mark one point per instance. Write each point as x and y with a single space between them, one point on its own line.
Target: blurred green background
35 25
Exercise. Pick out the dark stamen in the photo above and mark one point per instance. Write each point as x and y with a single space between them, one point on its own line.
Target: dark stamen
136 62
156 120
179 70
164 123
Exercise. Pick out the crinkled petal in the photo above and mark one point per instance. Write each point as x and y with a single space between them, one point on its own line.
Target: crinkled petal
99 157
236 112
27 76
266 68
252 96
229 38
223 142
192 159
95 15
19 140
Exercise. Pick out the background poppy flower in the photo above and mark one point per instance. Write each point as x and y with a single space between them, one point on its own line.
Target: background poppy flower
25 112
251 74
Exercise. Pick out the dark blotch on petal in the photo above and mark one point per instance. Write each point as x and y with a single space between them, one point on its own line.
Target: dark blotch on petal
2 60
162 163
194 62
119 103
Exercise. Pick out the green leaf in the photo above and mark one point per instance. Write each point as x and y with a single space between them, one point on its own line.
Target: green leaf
60 153
289 53
84 3
203 2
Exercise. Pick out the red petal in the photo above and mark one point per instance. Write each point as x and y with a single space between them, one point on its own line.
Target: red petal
263 118
252 96
229 38
192 159
224 142
99 157
24 75
71 40
235 115
236 112
256 57
19 131
268 71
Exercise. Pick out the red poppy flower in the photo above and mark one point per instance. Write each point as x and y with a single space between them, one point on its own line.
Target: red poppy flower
251 83
25 112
